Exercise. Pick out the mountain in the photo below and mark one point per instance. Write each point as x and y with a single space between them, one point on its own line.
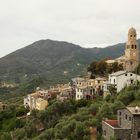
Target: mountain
56 61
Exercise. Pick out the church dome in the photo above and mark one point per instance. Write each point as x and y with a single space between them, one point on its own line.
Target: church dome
132 30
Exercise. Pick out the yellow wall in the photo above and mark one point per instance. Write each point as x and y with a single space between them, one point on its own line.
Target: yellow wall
41 105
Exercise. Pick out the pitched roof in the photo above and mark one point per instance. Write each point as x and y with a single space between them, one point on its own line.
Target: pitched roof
113 123
118 73
134 110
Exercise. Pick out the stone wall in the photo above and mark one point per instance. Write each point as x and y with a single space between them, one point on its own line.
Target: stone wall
124 118
118 133
136 127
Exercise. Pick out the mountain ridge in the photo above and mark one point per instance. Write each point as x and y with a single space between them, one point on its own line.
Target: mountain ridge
55 60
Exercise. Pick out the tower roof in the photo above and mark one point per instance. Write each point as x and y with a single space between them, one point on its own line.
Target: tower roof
132 30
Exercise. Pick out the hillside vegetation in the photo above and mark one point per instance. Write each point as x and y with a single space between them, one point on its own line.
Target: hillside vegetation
55 60
68 120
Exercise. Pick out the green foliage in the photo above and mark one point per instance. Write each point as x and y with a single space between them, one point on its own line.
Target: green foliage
126 97
116 106
21 111
5 136
137 95
98 68
112 90
101 68
105 111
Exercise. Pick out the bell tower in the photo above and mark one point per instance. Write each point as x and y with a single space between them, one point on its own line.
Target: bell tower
131 51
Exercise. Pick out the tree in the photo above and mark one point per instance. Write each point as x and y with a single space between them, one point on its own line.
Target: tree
112 90
114 67
105 111
126 97
116 106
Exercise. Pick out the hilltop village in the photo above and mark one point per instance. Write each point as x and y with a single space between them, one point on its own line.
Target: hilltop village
127 125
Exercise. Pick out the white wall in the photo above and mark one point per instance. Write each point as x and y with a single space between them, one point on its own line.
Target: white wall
79 93
123 80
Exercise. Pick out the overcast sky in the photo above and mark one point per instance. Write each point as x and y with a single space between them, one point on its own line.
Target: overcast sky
89 23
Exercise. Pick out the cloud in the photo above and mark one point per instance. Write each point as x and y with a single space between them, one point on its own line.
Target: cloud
79 21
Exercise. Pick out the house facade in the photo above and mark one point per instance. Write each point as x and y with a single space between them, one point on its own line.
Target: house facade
89 88
36 100
126 127
120 80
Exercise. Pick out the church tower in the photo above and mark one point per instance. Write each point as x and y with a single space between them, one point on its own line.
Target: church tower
131 51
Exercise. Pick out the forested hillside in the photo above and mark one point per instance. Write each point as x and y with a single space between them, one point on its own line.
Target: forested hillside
55 60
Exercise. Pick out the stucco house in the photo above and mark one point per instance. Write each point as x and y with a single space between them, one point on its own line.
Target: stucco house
120 79
35 101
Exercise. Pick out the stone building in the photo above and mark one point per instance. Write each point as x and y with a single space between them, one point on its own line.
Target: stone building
126 127
130 59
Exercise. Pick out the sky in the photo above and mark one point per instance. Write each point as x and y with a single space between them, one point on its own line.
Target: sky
89 23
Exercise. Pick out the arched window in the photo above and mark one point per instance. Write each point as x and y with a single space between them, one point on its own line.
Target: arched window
135 46
132 46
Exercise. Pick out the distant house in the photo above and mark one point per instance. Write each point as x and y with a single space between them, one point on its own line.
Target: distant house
121 79
89 88
64 95
80 91
99 85
35 101
41 104
126 127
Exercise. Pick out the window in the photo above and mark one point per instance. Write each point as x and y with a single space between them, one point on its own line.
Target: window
138 134
130 35
131 62
126 117
135 46
98 81
114 81
131 81
126 74
91 91
132 46
120 113
131 74
105 132
120 120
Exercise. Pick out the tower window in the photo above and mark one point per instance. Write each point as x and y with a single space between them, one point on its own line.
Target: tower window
130 35
135 46
132 46
134 35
